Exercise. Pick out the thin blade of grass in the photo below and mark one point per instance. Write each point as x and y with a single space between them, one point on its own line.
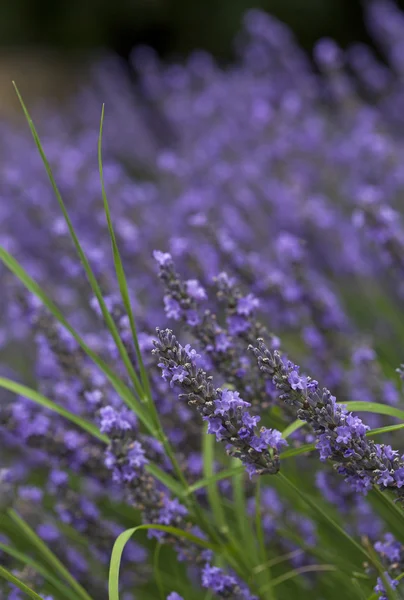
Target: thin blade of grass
326 517
122 540
357 406
48 555
27 560
390 593
263 558
120 273
296 572
208 454
18 583
40 399
117 383
375 407
90 275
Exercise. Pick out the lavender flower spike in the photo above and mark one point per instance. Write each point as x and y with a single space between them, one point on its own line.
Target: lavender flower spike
223 409
340 435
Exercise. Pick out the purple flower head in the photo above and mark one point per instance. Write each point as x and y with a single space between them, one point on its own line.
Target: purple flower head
162 258
171 511
273 438
247 305
136 456
344 434
113 420
296 381
380 589
178 374
195 290
389 548
229 401
237 324
385 478
250 421
174 596
172 308
399 477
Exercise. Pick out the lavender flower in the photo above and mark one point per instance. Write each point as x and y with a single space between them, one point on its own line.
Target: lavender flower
340 435
226 586
225 412
391 553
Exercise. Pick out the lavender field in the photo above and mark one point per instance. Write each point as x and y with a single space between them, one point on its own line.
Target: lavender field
202 327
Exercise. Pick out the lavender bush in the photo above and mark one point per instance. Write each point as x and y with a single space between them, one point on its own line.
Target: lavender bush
201 330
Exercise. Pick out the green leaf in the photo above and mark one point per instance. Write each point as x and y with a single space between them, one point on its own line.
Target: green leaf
292 428
310 447
38 398
87 426
375 407
18 583
120 273
320 512
225 474
208 453
124 537
27 560
90 275
156 570
390 593
357 406
263 558
166 479
48 555
296 572
117 383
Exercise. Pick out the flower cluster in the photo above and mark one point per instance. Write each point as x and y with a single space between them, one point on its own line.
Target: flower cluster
341 436
225 412
275 190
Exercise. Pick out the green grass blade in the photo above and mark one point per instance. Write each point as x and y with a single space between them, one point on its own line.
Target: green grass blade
263 558
292 428
291 452
375 407
122 540
156 570
357 406
326 517
166 479
18 583
90 275
48 555
208 454
390 593
123 288
296 572
27 560
85 425
117 383
224 474
120 273
38 398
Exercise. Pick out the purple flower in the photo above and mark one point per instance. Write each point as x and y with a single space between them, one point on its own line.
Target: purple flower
228 401
399 477
247 305
344 434
195 290
177 374
162 258
385 478
296 382
172 308
115 420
